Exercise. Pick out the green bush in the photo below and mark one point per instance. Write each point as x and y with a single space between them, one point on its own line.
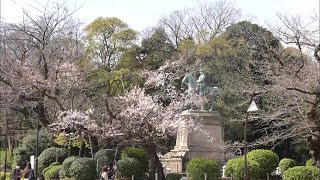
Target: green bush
47 168
83 169
9 158
309 162
28 146
286 163
129 166
51 155
197 167
52 172
7 175
65 171
267 159
230 167
174 176
302 173
21 156
137 153
104 157
254 170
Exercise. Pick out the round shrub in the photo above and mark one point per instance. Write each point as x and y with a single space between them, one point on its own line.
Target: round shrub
197 167
174 176
51 155
302 173
47 168
254 170
52 172
267 159
129 166
27 148
286 163
104 157
230 167
137 153
309 162
65 171
83 169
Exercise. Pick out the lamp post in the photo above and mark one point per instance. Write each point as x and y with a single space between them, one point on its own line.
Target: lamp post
252 108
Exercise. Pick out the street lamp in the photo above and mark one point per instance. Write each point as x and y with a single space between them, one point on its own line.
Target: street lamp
252 108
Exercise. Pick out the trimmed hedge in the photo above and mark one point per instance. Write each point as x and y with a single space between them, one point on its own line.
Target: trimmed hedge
47 168
51 155
104 157
302 173
83 169
267 159
137 153
174 176
286 163
52 172
129 166
254 169
197 167
65 171
230 166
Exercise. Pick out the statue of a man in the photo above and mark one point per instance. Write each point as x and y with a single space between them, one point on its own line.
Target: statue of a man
201 83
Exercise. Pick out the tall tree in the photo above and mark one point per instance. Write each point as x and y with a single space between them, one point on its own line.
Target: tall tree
107 39
38 70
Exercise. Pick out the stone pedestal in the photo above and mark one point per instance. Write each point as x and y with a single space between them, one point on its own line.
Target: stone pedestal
206 143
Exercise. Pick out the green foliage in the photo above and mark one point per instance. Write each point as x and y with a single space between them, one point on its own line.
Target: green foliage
230 166
137 153
174 176
129 166
104 157
52 172
197 167
7 175
107 39
286 163
21 156
9 158
65 171
302 173
156 48
309 162
83 169
47 168
76 141
51 155
267 159
27 148
254 169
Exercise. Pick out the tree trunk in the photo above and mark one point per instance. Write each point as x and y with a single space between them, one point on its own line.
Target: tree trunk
155 166
82 147
314 145
42 114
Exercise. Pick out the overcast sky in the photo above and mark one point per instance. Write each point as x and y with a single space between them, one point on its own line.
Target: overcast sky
140 14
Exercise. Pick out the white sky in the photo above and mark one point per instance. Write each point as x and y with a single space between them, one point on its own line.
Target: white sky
140 14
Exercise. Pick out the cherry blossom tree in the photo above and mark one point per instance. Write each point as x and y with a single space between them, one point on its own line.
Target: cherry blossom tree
39 74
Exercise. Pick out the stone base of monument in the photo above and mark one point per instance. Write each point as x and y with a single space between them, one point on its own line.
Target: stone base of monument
191 145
